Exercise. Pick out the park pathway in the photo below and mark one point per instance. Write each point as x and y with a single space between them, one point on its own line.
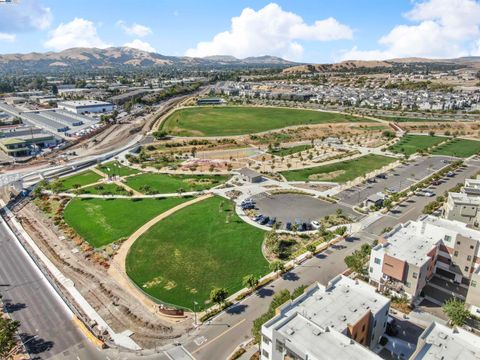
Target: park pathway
117 268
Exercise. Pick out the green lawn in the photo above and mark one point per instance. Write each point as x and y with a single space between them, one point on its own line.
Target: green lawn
83 178
167 183
101 222
410 144
459 148
290 150
340 172
231 120
104 189
206 245
115 168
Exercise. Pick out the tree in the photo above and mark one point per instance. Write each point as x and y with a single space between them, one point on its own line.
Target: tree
218 295
277 266
8 329
456 312
250 281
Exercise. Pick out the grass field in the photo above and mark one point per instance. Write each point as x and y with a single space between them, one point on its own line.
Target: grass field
459 147
410 144
115 168
166 183
230 120
104 189
206 245
101 222
340 172
83 178
290 150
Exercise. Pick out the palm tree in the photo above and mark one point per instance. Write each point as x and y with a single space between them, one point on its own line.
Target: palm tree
218 295
277 266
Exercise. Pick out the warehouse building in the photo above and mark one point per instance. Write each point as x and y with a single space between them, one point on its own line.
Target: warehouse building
86 106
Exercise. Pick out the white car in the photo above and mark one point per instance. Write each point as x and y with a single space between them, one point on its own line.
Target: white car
428 194
315 224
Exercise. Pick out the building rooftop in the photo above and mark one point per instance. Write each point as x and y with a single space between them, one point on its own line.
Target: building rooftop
79 103
248 172
342 302
464 199
472 186
301 333
442 342
409 242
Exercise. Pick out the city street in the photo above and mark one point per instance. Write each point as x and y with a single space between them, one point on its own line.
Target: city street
46 326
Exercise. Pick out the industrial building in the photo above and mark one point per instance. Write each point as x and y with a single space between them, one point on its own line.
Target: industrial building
408 256
86 106
24 141
343 320
211 101
56 121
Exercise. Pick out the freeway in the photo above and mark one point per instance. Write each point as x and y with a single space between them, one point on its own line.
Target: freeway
47 325
218 338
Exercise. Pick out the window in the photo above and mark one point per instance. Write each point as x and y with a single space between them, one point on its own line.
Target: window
375 323
473 283
363 328
265 353
415 275
371 269
467 268
280 345
458 243
377 261
455 253
472 247
447 238
469 257
408 284
266 340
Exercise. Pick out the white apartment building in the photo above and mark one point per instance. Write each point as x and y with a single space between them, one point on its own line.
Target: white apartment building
407 257
465 206
441 342
343 320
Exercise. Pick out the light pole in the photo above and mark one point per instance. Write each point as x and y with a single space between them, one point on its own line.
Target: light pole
194 313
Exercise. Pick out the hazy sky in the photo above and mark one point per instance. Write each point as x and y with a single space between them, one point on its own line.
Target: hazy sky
302 30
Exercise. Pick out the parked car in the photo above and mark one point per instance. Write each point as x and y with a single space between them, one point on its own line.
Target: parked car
392 190
392 328
381 176
428 193
265 220
288 226
315 224
436 182
450 174
259 218
272 221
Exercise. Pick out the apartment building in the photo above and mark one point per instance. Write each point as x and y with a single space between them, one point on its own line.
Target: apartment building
343 320
465 206
408 256
441 342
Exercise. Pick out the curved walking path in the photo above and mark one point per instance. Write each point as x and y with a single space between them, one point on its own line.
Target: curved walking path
117 268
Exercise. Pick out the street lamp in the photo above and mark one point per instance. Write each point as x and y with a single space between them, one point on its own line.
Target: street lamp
194 313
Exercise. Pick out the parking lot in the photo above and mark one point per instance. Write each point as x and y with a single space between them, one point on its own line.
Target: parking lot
289 207
396 180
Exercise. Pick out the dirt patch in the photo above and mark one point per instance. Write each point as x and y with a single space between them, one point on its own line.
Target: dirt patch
326 176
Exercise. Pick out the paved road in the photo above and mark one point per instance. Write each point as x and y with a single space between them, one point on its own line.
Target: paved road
219 338
37 308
